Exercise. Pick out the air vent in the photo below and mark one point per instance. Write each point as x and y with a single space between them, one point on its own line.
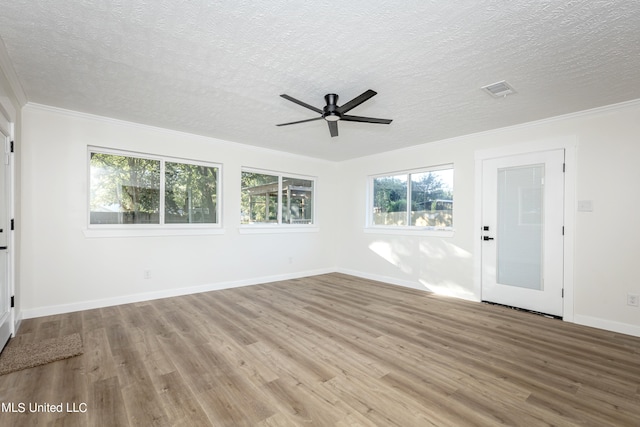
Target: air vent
499 89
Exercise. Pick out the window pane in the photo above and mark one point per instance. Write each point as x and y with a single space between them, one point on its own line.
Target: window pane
259 198
297 199
124 190
190 194
390 200
432 198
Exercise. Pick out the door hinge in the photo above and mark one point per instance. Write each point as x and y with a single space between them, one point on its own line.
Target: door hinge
11 147
564 167
563 230
562 292
13 224
13 301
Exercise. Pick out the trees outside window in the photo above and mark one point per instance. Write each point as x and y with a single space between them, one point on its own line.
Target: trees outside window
190 193
422 198
259 198
132 189
278 199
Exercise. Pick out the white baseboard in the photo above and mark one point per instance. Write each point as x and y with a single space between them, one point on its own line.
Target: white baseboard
594 322
379 278
148 296
609 325
405 283
16 323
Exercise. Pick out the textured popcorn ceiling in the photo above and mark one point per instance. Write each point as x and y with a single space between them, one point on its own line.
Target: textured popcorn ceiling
217 68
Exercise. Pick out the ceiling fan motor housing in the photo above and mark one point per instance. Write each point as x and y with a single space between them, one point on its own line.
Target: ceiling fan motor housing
330 113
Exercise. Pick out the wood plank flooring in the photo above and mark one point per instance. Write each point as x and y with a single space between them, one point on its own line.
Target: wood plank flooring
329 350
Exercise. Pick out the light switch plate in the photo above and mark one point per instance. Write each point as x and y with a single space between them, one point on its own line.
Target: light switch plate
585 206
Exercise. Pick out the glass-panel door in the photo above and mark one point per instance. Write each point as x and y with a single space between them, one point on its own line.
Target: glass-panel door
522 233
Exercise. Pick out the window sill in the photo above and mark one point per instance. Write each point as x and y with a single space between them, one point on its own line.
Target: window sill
150 232
411 231
276 229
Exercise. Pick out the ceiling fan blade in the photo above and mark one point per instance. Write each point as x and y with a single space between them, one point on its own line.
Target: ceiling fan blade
348 118
356 101
304 104
333 128
299 121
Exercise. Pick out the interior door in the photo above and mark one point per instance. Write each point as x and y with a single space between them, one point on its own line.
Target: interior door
522 233
5 304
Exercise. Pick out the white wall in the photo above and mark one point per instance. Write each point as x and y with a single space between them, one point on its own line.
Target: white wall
63 270
436 264
606 240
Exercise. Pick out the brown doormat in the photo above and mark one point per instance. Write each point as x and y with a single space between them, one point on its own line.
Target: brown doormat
22 356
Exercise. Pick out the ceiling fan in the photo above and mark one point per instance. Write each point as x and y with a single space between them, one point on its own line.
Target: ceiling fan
332 112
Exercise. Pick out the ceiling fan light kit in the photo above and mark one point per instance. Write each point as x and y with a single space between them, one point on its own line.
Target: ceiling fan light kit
332 112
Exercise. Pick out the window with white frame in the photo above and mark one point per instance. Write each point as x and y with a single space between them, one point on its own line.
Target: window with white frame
271 198
138 189
421 198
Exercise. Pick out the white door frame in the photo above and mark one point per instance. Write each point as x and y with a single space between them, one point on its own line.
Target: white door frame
569 144
7 125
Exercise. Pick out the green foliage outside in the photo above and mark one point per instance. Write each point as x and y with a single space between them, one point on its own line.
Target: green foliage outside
429 194
190 193
126 190
259 198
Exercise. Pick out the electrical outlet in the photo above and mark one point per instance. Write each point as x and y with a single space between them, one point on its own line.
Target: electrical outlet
147 274
633 300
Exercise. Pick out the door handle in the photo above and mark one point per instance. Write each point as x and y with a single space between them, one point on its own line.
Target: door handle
487 238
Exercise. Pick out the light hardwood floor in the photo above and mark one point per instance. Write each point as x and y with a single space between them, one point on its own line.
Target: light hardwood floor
329 350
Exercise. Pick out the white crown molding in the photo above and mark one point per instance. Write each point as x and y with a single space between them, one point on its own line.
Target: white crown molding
634 103
6 66
150 128
579 114
621 106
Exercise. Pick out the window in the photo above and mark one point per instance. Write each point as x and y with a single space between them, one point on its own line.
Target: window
190 194
271 198
127 188
419 199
